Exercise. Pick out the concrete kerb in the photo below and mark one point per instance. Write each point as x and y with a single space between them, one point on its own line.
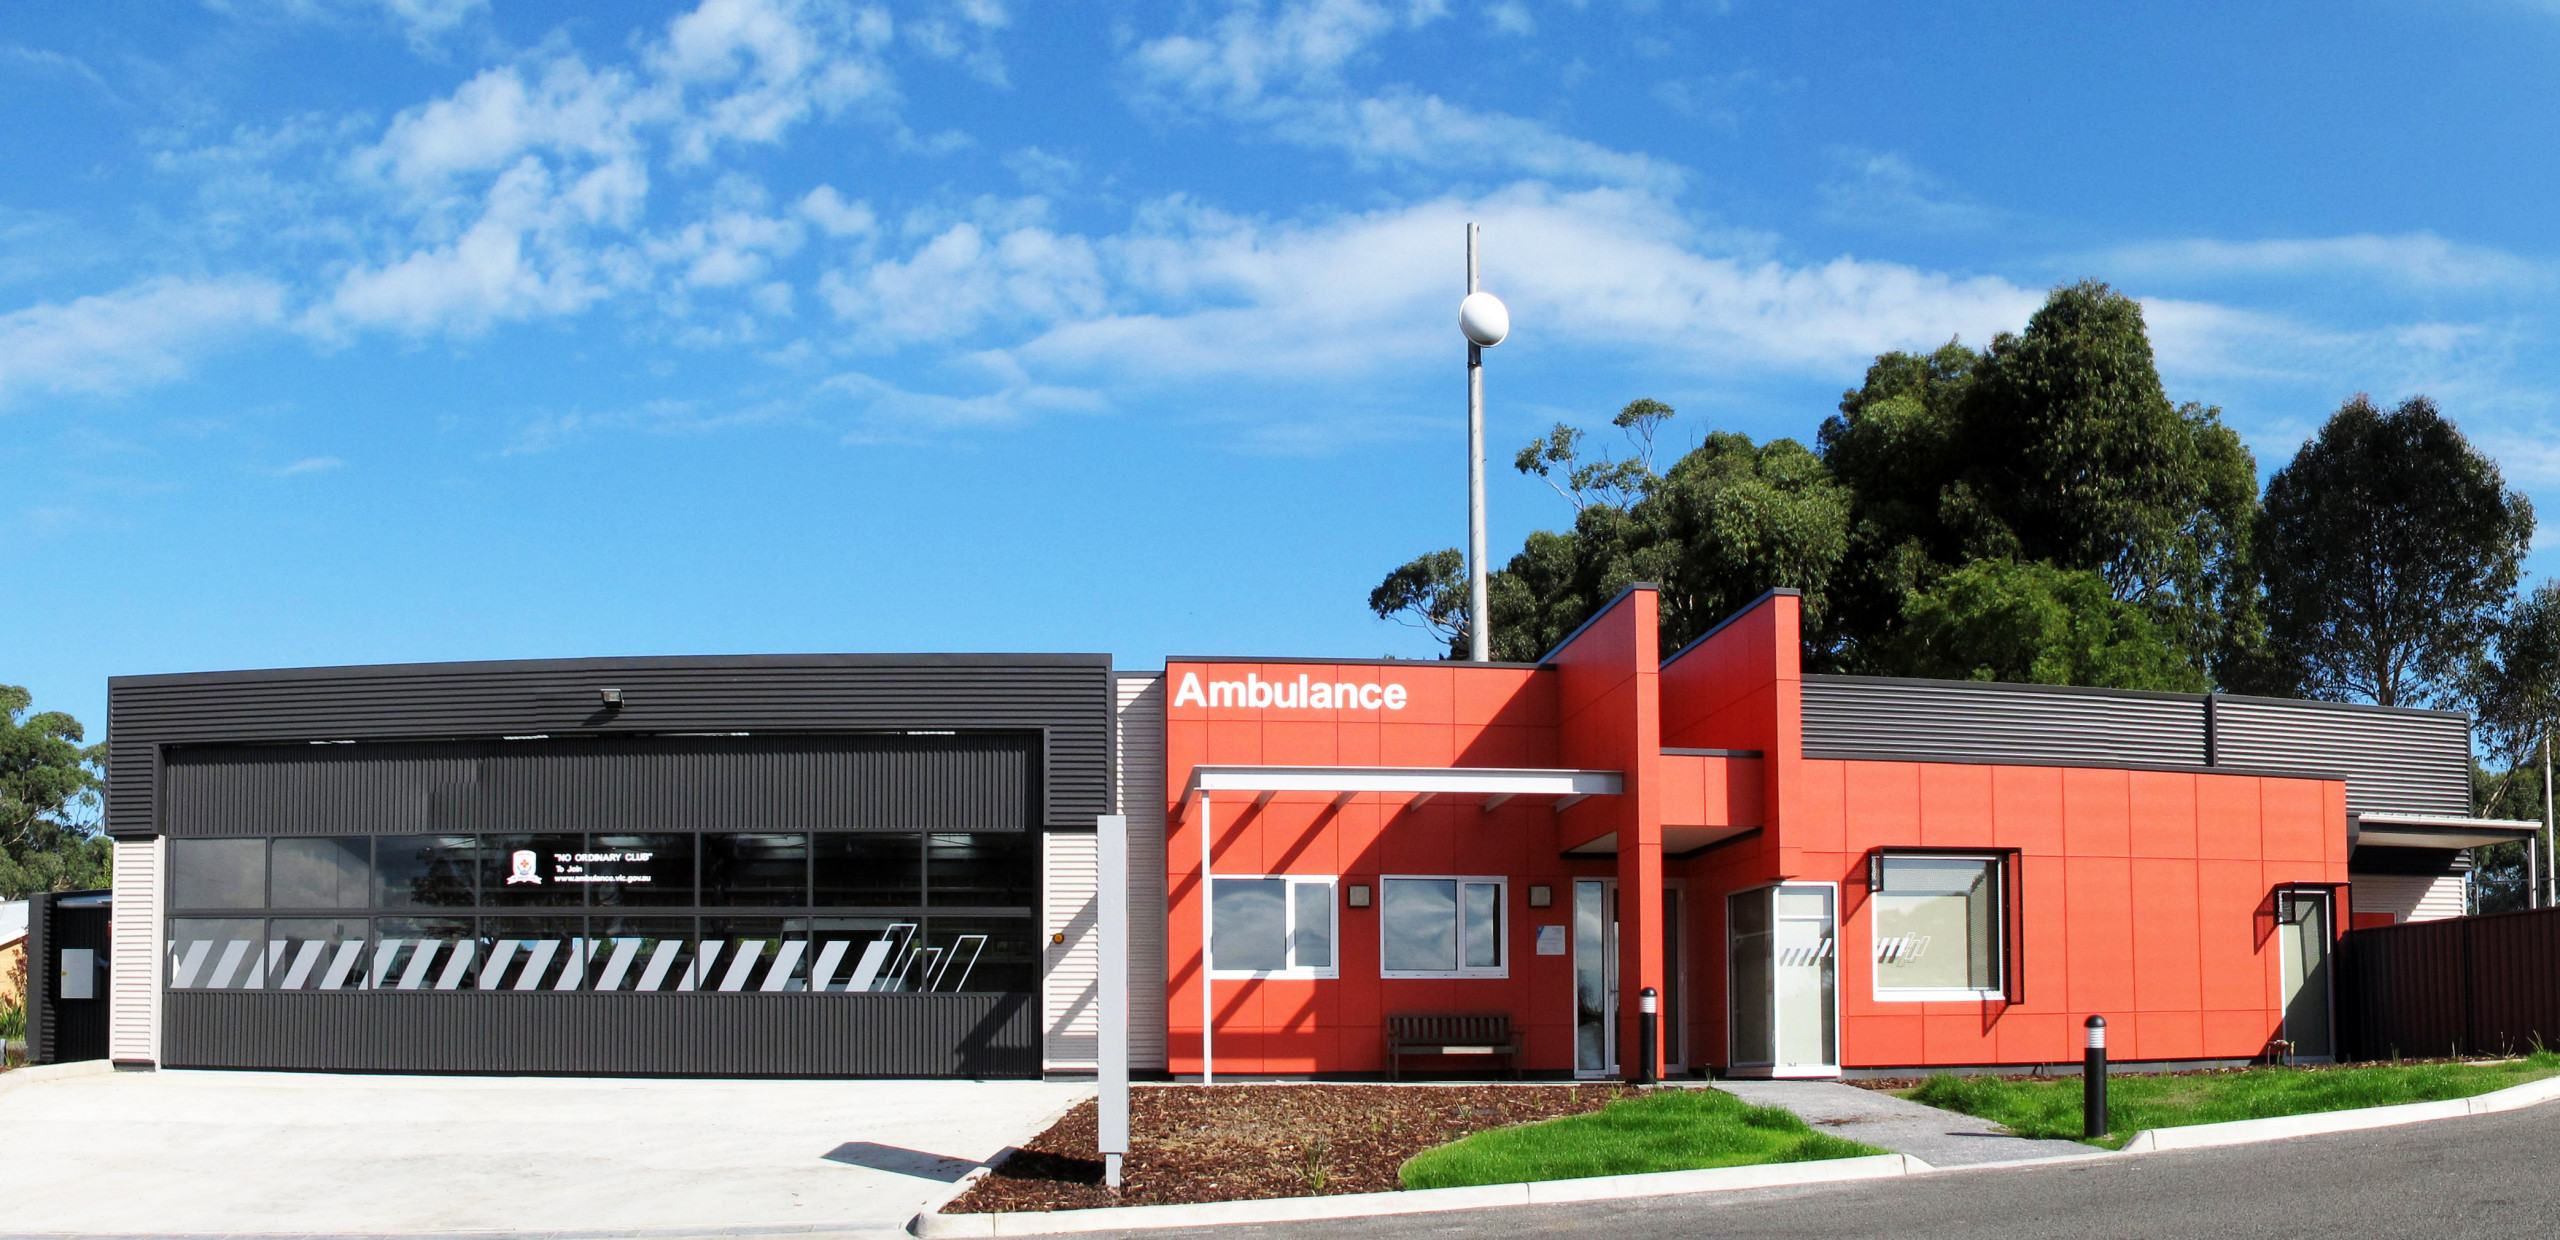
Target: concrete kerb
2245 1131
930 1226
934 1226
39 1073
810 1231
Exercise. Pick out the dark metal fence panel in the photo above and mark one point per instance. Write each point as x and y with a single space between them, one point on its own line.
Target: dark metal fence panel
61 1030
2405 988
2394 761
2467 985
795 1034
1064 698
2515 981
1878 716
39 996
972 782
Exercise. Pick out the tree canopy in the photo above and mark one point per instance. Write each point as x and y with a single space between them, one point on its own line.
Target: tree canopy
1729 521
2057 446
49 792
2034 623
2041 510
2389 552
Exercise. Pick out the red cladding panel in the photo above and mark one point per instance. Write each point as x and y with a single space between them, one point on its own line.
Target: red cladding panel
2026 811
2164 814
2096 809
1955 805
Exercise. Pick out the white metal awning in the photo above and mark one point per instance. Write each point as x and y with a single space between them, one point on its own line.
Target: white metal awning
1419 784
2438 831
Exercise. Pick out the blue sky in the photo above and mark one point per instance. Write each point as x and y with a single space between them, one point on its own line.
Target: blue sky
336 331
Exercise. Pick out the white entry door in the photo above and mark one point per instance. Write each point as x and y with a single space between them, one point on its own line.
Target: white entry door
1783 944
1595 977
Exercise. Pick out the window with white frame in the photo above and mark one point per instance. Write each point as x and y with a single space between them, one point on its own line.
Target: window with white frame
1274 926
1442 926
1937 924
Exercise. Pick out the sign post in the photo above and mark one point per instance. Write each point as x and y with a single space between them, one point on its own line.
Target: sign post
1111 901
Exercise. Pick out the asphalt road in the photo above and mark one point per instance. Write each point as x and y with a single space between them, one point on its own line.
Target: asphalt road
2490 1175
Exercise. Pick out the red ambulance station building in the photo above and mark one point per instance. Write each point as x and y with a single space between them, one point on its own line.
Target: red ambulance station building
1815 874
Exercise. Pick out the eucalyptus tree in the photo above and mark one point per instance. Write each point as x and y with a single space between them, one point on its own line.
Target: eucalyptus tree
2390 551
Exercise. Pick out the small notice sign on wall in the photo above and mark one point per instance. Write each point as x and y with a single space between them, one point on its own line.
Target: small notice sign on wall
1550 940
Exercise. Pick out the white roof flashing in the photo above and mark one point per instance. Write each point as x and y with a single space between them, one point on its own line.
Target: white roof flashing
1505 782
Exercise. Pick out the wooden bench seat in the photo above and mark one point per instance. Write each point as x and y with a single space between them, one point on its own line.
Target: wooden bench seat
1451 1034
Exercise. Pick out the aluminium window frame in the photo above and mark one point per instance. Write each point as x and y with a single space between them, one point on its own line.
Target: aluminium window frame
1332 883
2006 921
1501 933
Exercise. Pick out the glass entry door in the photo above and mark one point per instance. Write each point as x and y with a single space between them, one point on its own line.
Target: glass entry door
1784 977
1595 977
2306 974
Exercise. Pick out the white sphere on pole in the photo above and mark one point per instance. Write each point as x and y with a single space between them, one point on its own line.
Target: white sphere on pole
1484 319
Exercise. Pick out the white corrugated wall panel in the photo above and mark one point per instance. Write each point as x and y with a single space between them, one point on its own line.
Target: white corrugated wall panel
2410 897
2443 899
1140 779
133 983
1071 969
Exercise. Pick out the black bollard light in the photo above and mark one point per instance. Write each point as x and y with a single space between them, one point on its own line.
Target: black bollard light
2093 1082
1648 1033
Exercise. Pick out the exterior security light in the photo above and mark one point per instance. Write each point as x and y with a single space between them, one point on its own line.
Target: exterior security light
1484 319
612 698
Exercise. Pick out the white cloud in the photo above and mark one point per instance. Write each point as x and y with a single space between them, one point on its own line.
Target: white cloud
525 256
1884 189
964 32
1285 72
830 212
135 337
1042 171
657 417
422 20
2209 340
309 465
1210 294
526 188
763 66
2417 260
888 412
566 110
432 17
966 277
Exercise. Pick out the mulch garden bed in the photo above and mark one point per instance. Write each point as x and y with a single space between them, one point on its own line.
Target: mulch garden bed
1240 1142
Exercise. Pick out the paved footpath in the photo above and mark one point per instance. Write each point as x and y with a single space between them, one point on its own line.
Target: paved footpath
1939 1138
198 1153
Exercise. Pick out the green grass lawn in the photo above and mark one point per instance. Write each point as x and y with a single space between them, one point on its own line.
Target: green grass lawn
2051 1108
1660 1130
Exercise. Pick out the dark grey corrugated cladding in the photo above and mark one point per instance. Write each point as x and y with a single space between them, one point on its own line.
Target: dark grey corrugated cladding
1066 698
585 1032
974 781
1995 722
2392 759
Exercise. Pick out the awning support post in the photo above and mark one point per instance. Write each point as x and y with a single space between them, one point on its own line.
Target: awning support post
1208 989
1111 1118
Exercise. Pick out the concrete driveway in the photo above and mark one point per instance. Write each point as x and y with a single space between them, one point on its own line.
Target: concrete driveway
167 1153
